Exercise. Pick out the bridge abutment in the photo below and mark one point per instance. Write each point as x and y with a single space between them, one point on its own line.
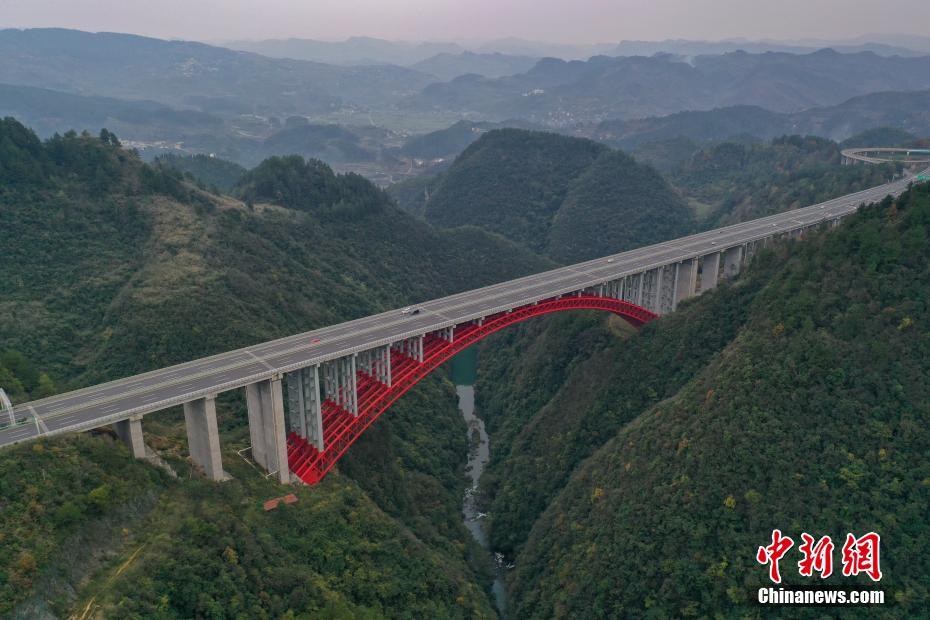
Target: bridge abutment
265 403
203 438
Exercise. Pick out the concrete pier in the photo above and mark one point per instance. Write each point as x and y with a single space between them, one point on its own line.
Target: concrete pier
130 432
203 438
685 280
265 401
304 405
732 260
710 269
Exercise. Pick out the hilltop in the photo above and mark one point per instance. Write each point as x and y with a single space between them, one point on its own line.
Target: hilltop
569 198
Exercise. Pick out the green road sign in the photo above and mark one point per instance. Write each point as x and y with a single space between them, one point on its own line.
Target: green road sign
923 177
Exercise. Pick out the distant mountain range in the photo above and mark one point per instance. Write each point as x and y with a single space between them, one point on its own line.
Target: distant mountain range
352 51
175 96
448 66
559 94
908 111
367 50
48 111
684 47
187 74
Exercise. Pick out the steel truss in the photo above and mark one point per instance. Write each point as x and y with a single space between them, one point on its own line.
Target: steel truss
409 362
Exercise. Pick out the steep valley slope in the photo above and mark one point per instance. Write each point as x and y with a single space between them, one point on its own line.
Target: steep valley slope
636 476
111 267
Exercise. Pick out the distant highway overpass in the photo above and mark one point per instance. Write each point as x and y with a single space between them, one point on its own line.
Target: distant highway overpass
886 155
310 396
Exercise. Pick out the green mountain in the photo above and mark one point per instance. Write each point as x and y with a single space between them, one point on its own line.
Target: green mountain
330 143
447 65
636 476
569 198
49 111
111 256
212 172
445 142
733 182
879 136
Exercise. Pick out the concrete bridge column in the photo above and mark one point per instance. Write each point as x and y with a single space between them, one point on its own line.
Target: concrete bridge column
265 401
732 261
352 385
130 432
631 288
305 408
615 289
710 269
203 438
413 347
385 366
656 301
685 280
365 362
666 289
447 334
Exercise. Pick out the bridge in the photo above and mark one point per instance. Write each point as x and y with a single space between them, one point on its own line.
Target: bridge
310 396
886 155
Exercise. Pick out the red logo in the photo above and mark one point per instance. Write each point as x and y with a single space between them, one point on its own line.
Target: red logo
773 553
860 555
817 557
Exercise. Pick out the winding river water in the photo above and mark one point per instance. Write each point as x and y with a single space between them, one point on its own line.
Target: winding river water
464 368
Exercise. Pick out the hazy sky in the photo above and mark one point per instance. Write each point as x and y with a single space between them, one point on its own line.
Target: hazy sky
583 21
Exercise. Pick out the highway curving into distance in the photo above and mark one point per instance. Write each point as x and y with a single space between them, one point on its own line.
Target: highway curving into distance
117 400
887 155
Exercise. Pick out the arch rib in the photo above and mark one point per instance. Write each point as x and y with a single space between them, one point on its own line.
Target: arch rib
341 428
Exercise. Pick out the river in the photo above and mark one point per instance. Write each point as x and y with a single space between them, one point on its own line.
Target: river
464 371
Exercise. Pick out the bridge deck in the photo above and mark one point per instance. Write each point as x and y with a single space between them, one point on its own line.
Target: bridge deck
152 391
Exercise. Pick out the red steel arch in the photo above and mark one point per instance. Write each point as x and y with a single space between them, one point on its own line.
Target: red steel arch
341 429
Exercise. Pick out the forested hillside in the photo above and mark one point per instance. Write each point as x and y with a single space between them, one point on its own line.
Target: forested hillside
794 398
214 173
737 181
569 198
111 257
